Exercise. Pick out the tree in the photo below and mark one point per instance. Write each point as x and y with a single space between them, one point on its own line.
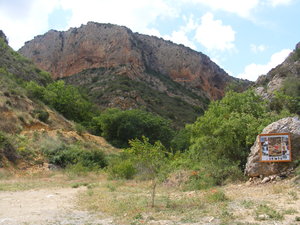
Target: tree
151 158
66 99
229 127
120 126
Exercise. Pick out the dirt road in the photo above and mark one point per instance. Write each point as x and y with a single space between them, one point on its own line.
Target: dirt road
45 207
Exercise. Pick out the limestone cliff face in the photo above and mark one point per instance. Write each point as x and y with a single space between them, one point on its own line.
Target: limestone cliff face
275 79
110 46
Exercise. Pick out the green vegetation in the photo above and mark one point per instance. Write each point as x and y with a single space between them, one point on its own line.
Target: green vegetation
149 159
229 127
68 155
121 168
102 86
21 68
118 127
42 115
7 150
296 55
66 99
288 98
265 212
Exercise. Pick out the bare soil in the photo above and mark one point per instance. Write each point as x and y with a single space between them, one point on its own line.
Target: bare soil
45 207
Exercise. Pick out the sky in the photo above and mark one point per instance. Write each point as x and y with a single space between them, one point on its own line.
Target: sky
246 38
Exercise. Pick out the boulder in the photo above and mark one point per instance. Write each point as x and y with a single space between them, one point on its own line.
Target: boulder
255 168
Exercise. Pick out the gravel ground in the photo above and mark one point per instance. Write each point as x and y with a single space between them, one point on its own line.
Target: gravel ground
45 207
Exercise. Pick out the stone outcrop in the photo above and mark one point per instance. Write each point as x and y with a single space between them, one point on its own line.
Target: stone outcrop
275 79
110 46
3 36
255 168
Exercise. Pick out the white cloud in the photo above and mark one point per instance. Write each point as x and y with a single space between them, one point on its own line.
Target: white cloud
275 3
135 14
180 37
253 71
22 20
257 48
242 8
213 35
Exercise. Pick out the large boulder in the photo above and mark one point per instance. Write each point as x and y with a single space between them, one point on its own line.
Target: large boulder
256 168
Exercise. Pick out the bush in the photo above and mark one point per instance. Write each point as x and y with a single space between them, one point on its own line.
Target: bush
118 127
181 141
7 150
211 173
66 99
121 169
42 115
64 156
79 128
229 127
36 91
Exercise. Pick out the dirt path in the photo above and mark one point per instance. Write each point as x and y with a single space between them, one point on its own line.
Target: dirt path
45 207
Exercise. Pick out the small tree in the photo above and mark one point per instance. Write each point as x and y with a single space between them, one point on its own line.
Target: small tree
150 158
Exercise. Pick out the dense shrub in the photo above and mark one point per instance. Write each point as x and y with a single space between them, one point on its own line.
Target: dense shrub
121 169
7 150
70 155
288 98
42 115
229 127
66 99
181 141
118 127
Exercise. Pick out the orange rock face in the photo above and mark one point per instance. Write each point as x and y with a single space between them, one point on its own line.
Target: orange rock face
107 46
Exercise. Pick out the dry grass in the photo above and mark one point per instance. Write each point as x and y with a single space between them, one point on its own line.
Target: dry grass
128 202
39 179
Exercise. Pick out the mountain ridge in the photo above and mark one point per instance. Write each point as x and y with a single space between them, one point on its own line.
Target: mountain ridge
150 62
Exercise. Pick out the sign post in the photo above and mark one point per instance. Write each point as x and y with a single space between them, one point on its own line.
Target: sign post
275 147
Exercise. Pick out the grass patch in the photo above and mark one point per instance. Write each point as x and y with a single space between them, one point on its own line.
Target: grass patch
265 212
215 196
49 179
130 201
248 204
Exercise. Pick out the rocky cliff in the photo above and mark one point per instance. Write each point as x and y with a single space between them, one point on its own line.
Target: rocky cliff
123 69
284 76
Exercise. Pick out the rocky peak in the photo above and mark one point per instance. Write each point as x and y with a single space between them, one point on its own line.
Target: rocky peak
3 36
97 45
274 80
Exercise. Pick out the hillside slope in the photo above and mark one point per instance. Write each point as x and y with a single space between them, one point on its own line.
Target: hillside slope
119 68
28 126
284 76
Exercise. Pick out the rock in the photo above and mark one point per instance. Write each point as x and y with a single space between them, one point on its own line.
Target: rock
265 180
275 79
107 46
3 36
263 217
53 167
255 168
248 183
